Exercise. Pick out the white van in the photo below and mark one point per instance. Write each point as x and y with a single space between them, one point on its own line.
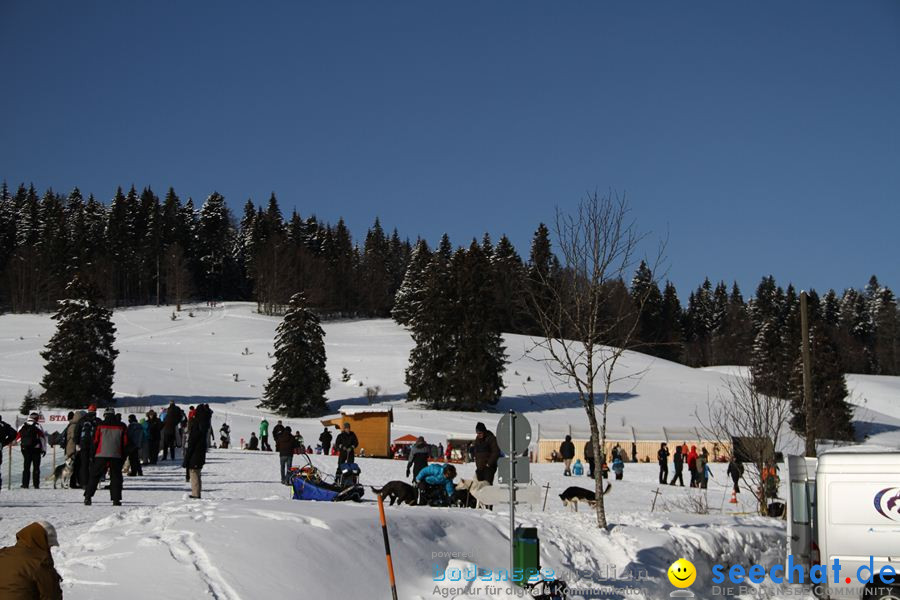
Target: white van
846 506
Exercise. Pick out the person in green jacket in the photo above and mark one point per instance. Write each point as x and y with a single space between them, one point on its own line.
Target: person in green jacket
264 435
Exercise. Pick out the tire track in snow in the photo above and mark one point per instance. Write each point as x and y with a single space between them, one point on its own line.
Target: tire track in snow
185 549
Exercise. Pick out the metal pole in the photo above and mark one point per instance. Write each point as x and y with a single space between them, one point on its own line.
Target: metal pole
807 378
512 495
387 547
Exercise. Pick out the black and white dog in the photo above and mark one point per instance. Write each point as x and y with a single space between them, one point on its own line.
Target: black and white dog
573 495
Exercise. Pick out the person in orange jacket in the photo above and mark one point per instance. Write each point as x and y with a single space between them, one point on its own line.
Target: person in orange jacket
692 466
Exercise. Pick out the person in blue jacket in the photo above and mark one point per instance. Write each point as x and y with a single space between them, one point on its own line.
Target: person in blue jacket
436 476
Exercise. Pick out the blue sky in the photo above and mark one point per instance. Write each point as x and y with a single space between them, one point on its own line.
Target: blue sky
764 137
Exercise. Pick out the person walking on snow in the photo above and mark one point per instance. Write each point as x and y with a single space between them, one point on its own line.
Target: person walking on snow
678 464
346 443
618 466
27 571
692 466
195 449
154 435
703 469
567 452
72 455
735 471
170 426
662 456
487 453
33 441
418 457
285 444
264 435
325 440
135 441
110 441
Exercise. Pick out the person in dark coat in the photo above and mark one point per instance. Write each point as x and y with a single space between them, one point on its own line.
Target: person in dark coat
736 471
195 451
277 430
285 444
154 433
174 416
418 457
678 464
27 571
33 442
346 443
110 441
487 453
135 439
253 444
567 452
662 456
325 440
589 457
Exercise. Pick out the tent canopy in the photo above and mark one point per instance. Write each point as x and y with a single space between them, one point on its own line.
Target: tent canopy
406 439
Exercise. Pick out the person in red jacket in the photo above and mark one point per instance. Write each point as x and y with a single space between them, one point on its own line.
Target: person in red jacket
692 466
110 440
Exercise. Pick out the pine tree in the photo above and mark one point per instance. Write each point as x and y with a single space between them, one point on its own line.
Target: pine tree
476 377
765 360
299 379
408 299
671 334
80 357
508 288
433 325
833 416
648 301
215 244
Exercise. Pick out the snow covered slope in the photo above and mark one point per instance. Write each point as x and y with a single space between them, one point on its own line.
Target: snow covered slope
247 540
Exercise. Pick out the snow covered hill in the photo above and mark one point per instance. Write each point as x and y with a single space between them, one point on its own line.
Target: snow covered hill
246 539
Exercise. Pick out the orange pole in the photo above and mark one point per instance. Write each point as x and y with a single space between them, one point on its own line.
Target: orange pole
387 547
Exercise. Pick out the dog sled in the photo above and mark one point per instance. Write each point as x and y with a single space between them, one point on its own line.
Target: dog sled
308 483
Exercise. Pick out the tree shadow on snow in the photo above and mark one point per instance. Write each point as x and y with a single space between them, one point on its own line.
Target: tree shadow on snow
157 401
335 405
552 401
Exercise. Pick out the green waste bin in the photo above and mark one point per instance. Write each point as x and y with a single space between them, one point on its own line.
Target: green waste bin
526 553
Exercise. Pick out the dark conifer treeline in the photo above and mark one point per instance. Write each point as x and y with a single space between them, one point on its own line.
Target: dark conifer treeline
141 249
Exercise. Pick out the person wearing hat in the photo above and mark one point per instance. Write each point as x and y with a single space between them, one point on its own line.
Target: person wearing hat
110 441
33 442
135 441
418 457
346 443
487 453
72 453
26 569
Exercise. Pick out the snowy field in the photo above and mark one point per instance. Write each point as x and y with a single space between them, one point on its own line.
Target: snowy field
246 539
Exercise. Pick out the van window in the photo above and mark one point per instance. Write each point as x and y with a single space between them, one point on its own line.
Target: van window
799 505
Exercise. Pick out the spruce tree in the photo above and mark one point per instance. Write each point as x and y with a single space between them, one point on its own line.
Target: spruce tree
671 336
80 355
407 301
508 288
833 416
299 380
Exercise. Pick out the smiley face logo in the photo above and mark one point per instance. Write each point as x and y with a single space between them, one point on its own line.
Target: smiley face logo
682 573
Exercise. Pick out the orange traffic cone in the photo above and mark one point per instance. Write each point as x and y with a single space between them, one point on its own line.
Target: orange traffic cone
733 498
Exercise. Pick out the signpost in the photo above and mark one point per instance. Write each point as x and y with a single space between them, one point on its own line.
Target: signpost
513 437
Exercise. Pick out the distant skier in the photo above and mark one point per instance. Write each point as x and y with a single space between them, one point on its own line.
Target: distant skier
33 442
325 440
662 456
567 452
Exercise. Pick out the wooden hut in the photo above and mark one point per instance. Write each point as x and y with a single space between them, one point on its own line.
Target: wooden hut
372 427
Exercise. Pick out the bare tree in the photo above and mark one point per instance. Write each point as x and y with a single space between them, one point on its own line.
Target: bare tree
754 422
585 315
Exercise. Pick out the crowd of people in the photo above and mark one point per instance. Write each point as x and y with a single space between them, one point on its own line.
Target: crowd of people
97 449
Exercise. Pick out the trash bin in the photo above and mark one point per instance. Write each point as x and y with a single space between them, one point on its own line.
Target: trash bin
526 554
